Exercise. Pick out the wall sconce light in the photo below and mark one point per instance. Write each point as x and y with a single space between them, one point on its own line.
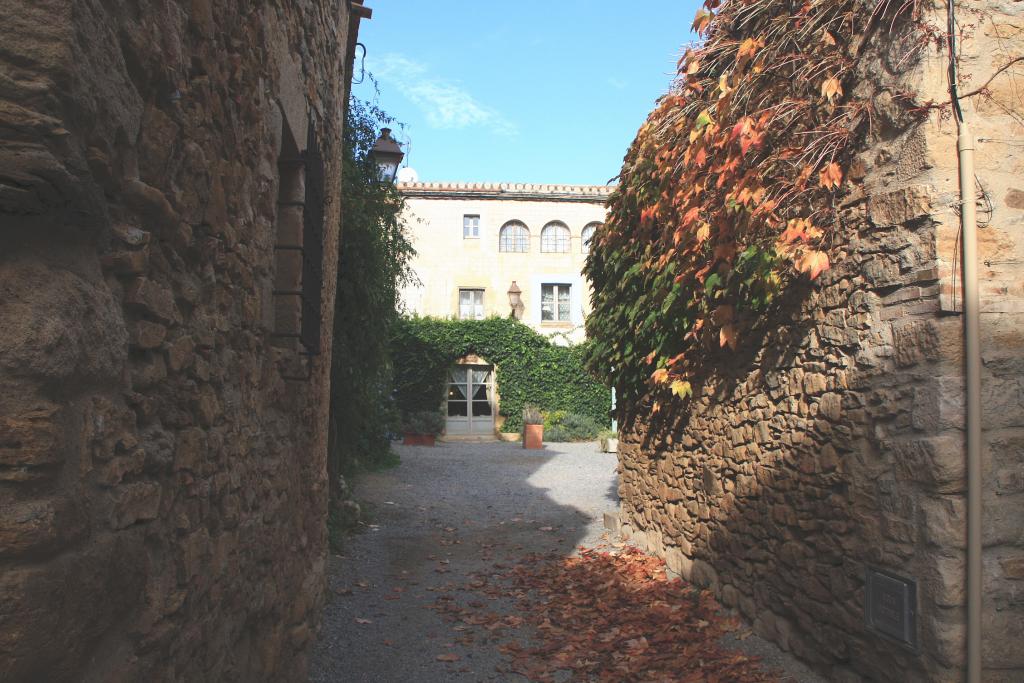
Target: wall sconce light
515 299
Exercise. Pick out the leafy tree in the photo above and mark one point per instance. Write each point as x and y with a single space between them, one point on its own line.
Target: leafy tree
373 266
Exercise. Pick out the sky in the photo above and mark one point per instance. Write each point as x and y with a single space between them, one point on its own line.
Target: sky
528 91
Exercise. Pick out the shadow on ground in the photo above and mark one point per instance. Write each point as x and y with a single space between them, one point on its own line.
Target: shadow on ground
444 514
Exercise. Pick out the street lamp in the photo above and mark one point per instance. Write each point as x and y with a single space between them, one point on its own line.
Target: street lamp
515 299
386 155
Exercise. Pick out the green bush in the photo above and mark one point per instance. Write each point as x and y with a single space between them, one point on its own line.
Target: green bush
565 426
529 368
423 422
373 263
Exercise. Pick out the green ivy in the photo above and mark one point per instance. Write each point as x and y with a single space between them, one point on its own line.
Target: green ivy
373 263
528 367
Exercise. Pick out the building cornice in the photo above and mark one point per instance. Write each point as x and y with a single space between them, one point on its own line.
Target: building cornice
595 194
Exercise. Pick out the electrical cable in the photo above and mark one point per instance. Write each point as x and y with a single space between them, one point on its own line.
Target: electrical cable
952 69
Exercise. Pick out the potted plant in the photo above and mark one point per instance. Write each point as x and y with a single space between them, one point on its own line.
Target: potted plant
421 428
533 427
609 441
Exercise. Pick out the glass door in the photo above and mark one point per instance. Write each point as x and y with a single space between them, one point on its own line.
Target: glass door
470 400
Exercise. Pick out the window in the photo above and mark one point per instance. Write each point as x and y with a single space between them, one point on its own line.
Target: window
470 226
471 304
587 235
554 238
554 303
514 236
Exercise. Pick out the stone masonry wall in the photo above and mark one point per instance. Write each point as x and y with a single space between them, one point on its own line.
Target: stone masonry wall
162 484
835 442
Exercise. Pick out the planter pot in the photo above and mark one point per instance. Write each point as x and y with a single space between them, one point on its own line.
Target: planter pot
533 436
418 439
610 445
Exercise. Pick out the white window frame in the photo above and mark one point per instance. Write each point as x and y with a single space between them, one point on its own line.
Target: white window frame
474 308
584 240
557 288
471 226
515 241
562 238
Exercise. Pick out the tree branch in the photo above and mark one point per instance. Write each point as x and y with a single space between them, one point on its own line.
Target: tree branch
1004 67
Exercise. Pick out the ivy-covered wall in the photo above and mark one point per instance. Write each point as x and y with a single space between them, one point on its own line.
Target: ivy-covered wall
528 367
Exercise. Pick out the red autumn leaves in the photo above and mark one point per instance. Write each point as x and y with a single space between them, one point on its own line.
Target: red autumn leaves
607 616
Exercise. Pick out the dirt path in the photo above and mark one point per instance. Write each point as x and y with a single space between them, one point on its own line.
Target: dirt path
441 515
441 520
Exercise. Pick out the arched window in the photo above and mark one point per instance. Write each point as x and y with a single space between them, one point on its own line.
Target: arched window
587 235
514 236
554 238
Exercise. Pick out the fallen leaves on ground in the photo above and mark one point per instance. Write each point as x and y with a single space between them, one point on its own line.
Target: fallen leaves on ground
449 657
605 616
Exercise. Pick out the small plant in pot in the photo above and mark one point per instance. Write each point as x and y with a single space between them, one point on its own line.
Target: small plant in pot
609 441
421 428
533 427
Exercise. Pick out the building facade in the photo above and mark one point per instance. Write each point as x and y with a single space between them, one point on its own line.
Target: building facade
474 241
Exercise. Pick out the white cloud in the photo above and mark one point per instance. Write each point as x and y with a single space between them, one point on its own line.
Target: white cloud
617 83
445 104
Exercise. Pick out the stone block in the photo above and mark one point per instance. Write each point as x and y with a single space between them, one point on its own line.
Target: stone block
914 342
703 574
939 405
151 298
133 262
147 335
134 503
1013 567
944 521
180 354
58 326
1003 653
901 206
30 438
938 462
37 527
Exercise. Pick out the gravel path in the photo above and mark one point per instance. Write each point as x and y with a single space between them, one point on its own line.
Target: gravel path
442 514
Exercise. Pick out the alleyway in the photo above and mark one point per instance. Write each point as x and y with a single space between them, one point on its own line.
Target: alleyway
444 513
443 517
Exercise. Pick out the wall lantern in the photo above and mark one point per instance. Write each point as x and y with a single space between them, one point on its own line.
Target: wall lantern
515 299
387 155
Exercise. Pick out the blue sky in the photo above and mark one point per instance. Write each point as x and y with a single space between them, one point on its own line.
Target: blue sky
529 91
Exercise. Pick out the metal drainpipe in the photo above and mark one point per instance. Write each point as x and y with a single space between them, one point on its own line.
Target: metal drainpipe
972 371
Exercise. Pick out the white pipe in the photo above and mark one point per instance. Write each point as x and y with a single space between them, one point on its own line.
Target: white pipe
972 378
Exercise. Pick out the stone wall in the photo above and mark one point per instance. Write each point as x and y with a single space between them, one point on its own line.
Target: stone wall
162 483
835 442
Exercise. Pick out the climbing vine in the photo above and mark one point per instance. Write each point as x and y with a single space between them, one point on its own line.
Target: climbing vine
529 368
373 263
727 195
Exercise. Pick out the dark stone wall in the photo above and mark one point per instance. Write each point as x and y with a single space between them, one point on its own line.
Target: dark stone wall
162 484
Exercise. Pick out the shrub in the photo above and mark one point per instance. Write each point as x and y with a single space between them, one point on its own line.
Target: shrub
554 418
423 422
374 254
570 427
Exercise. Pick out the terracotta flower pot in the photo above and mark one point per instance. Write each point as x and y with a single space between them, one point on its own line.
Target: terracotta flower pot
409 439
533 436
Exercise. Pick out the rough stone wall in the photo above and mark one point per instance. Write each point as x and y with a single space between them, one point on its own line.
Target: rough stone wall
835 442
162 485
